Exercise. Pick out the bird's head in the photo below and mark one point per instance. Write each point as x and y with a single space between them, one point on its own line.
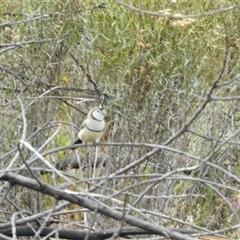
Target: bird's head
98 113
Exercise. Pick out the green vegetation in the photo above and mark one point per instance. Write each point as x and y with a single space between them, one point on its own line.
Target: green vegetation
156 71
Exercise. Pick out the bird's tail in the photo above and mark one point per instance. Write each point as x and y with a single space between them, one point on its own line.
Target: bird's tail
79 141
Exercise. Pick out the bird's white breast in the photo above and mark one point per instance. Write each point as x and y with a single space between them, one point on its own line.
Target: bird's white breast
92 131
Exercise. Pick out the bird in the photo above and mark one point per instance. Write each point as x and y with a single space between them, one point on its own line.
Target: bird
92 128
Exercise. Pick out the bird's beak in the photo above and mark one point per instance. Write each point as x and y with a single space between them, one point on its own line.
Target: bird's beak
104 112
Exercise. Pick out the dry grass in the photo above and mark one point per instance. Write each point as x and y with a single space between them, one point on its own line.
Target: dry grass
157 72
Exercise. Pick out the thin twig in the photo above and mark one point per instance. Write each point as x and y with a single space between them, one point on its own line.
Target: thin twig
9 24
21 44
16 75
178 16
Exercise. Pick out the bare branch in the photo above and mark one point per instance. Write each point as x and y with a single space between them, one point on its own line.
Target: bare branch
10 24
179 16
21 44
92 205
76 234
16 75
